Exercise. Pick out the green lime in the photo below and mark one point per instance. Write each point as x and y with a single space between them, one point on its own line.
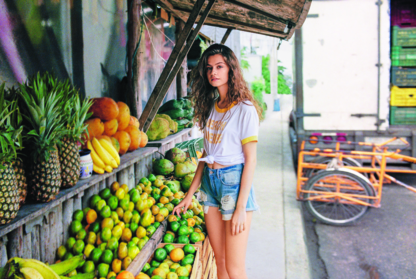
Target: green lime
94 200
76 226
78 215
105 193
105 234
187 260
96 255
195 237
103 270
175 202
135 218
78 247
112 244
141 243
100 205
144 180
170 207
113 202
183 222
156 277
88 249
189 249
154 263
145 267
88 267
182 271
168 238
107 256
183 230
160 205
133 227
103 246
156 196
190 230
85 210
70 243
169 248
124 204
156 224
68 256
150 230
160 254
105 212
151 177
150 271
61 252
94 227
81 234
174 226
183 239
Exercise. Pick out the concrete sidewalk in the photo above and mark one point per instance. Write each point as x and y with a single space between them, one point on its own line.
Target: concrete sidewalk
276 247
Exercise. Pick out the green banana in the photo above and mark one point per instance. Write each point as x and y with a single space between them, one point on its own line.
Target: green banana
43 269
30 273
67 266
90 275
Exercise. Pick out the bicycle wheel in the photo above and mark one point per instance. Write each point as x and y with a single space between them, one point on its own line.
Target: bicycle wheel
334 209
325 160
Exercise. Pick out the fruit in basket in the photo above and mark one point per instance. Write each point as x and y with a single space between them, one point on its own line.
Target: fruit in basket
172 124
135 137
175 155
110 127
104 108
163 167
134 122
159 129
124 140
95 128
123 117
125 275
187 181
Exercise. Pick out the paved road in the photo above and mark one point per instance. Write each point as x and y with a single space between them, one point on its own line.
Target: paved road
382 243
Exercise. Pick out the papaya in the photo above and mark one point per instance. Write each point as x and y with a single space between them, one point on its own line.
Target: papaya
104 108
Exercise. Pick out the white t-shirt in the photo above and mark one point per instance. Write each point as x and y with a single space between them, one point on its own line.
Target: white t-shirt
226 132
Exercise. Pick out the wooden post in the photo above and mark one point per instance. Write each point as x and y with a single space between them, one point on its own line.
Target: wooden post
181 80
227 33
179 52
133 25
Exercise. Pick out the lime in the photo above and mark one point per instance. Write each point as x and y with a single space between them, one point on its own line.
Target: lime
194 237
112 202
106 234
91 238
102 246
174 226
172 275
190 230
189 249
112 244
183 239
88 249
183 230
157 276
156 224
85 210
151 177
140 232
175 202
61 252
131 206
78 247
117 231
134 195
154 263
135 240
105 212
160 254
76 226
70 243
150 230
183 222
107 256
187 260
105 193
146 267
88 267
170 207
120 194
78 215
182 271
133 227
96 255
81 234
156 196
133 251
100 204
150 271
144 180
136 217
124 204
142 243
128 215
168 238
107 223
103 270
68 256
94 227
94 200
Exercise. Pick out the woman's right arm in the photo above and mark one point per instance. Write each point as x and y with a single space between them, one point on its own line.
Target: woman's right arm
186 202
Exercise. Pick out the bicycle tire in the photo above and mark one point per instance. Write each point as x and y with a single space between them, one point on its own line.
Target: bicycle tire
325 160
330 212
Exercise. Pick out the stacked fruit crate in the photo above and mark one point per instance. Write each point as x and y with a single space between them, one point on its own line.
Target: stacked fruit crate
403 61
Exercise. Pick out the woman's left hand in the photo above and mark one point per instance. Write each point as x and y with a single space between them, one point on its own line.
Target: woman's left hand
238 221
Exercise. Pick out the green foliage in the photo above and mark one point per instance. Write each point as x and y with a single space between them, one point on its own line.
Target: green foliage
244 63
202 45
257 86
282 87
265 72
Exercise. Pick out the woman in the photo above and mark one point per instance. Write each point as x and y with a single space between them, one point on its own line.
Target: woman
230 124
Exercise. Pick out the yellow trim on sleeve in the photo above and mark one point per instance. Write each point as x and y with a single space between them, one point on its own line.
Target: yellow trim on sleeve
249 139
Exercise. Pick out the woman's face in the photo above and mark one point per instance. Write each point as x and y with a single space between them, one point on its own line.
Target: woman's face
217 71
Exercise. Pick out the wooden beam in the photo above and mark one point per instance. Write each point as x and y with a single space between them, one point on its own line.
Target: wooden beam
77 47
181 88
227 33
157 95
133 25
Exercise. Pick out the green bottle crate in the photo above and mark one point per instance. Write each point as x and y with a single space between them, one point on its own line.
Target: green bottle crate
402 115
191 147
401 56
404 36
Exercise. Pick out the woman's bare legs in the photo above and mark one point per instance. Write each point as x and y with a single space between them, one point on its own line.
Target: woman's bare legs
235 250
216 232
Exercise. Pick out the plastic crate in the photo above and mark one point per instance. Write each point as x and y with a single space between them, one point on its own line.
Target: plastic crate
403 97
404 36
191 146
405 77
403 13
401 56
403 116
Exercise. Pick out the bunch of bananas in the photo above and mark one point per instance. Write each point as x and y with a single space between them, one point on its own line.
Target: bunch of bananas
18 268
104 156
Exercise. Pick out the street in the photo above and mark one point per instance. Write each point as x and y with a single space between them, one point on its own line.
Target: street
380 245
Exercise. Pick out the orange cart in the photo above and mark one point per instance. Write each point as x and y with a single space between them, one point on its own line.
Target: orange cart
337 189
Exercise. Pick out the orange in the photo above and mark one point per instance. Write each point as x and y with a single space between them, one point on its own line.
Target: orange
125 188
124 140
91 216
115 143
176 255
126 262
123 117
95 128
125 274
134 122
114 187
135 137
126 235
110 127
144 139
199 154
117 231
120 212
107 223
116 266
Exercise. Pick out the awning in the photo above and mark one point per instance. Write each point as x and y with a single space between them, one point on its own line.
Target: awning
268 17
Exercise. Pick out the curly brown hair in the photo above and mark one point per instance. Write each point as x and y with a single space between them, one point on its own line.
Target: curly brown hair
203 93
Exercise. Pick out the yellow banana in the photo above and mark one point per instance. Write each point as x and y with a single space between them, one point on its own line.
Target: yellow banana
108 169
95 158
111 150
101 152
98 169
45 271
30 273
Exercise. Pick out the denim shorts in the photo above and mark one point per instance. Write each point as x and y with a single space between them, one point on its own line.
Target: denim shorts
221 187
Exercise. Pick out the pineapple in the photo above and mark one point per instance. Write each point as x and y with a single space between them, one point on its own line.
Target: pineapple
9 143
42 102
21 180
76 112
